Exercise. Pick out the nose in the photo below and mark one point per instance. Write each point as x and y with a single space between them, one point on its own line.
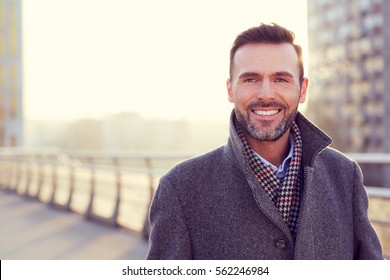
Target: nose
265 91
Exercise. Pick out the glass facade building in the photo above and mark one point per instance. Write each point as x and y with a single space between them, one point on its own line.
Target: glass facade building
11 105
349 60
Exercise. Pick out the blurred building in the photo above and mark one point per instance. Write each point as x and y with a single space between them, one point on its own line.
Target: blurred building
11 106
349 60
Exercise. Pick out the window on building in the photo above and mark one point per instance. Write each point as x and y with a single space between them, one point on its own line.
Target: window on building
12 78
1 114
13 106
1 136
1 44
14 141
1 110
374 64
336 52
378 42
1 75
12 43
379 85
2 10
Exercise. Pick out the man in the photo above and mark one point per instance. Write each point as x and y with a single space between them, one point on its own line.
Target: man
275 190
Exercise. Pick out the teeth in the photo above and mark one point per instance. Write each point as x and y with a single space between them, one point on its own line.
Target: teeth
266 113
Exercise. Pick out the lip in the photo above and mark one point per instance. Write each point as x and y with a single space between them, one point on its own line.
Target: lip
266 113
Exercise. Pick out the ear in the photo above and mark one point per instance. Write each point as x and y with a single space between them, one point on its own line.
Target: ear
303 93
230 91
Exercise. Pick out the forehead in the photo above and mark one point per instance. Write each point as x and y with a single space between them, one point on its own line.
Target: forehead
266 58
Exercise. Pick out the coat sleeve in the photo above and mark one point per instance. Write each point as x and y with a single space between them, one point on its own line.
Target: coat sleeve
169 237
366 242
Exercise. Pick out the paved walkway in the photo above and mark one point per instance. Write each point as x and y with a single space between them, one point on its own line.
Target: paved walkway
31 230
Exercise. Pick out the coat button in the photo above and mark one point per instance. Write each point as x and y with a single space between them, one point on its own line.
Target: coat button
280 244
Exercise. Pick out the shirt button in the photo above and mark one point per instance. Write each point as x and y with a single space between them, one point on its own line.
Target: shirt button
280 244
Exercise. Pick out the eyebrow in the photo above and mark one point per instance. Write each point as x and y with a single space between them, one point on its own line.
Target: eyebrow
283 74
249 74
277 74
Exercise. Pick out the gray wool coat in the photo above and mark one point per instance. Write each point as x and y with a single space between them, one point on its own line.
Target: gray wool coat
212 207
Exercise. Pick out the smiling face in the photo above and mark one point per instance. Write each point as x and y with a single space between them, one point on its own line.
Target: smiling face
266 90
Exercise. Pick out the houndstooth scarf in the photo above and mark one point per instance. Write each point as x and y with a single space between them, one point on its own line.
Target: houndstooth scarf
285 194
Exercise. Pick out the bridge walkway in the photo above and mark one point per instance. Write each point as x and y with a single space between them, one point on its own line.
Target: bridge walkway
30 229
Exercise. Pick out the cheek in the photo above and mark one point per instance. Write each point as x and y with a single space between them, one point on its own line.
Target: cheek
289 93
245 92
286 88
240 98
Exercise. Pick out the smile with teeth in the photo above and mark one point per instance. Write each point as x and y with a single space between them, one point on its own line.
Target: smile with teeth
266 112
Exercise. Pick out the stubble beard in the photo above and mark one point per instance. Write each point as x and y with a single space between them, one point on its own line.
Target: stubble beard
264 130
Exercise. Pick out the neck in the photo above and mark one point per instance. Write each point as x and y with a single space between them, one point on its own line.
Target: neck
273 151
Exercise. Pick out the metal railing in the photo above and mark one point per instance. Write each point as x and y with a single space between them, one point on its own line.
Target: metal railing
117 187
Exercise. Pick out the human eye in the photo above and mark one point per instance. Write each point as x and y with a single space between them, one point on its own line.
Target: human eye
250 80
280 80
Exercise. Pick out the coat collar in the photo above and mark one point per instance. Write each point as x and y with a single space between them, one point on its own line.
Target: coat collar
314 141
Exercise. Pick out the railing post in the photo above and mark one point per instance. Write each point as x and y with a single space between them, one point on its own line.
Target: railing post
40 162
18 173
54 179
118 191
19 188
89 213
28 172
149 169
11 170
34 166
71 186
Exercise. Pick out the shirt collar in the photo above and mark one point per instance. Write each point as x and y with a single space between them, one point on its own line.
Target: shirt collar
282 169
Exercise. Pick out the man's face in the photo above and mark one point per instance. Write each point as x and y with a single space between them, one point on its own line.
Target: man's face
265 89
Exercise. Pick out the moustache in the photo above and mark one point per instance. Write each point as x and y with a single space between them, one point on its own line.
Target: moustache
258 103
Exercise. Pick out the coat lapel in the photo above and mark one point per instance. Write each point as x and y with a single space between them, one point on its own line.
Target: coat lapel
266 205
304 245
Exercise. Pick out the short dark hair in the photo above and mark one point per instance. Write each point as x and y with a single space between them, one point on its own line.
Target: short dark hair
268 34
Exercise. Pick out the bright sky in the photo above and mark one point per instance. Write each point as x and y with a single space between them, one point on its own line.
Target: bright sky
163 58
